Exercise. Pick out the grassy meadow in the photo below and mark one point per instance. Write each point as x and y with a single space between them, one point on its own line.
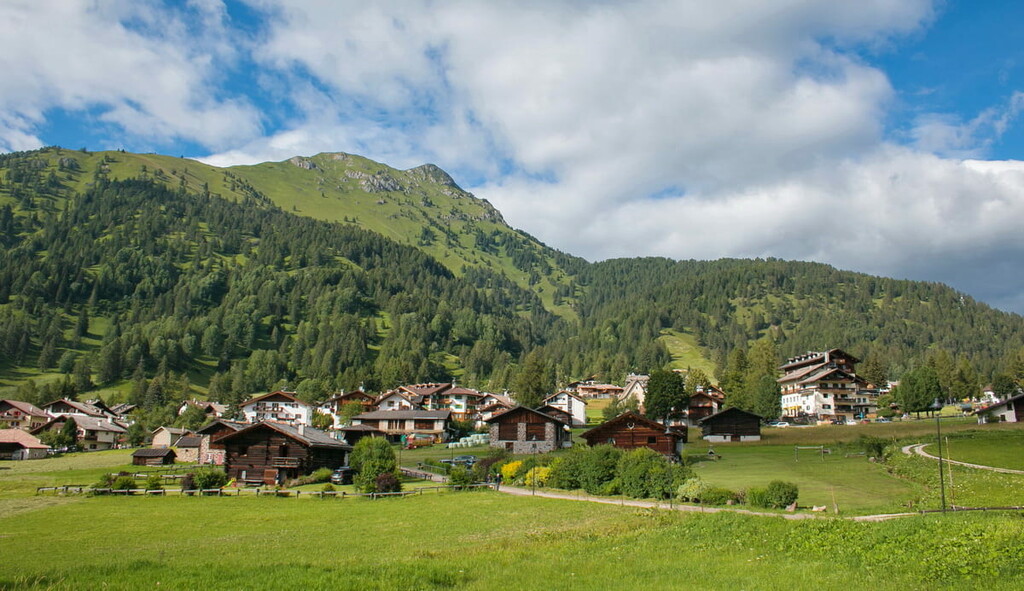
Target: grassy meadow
488 540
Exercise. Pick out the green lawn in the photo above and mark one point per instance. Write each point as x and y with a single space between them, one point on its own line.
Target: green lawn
1001 449
485 540
853 483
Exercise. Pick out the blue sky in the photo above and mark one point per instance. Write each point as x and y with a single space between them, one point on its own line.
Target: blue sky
881 136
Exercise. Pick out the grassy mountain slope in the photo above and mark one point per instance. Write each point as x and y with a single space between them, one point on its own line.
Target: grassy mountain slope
500 285
420 207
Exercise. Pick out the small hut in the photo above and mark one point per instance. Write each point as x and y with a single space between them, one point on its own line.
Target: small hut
731 424
152 456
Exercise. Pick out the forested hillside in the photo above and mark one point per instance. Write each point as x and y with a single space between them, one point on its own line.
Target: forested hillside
154 276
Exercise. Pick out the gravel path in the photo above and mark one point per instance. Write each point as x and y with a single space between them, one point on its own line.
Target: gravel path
514 490
918 448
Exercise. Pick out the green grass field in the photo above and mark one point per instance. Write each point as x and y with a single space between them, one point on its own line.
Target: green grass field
856 485
488 540
484 540
1000 449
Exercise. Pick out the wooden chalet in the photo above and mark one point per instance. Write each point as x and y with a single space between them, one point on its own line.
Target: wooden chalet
211 451
153 456
556 412
571 405
705 402
271 453
523 430
731 424
92 433
631 430
396 423
333 405
15 414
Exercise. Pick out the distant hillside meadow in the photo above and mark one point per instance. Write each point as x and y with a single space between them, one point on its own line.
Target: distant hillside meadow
331 272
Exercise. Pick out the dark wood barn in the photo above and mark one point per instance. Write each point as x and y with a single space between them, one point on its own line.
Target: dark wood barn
523 430
271 453
731 424
211 450
153 456
631 430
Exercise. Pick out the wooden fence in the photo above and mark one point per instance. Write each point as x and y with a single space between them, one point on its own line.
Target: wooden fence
220 492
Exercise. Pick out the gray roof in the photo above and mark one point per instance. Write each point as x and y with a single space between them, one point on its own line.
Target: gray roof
150 452
404 414
307 435
96 424
189 441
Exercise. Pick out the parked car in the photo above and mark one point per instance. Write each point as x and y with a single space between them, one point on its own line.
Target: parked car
850 422
882 420
342 475
778 424
466 461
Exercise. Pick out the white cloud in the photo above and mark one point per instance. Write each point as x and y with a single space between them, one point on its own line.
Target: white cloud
684 129
148 71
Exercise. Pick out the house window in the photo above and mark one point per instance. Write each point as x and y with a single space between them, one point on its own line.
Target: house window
395 425
651 440
424 424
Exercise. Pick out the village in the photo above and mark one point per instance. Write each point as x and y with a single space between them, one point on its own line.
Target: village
276 438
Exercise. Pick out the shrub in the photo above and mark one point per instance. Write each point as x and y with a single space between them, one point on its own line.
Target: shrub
565 470
460 476
757 496
777 495
537 476
597 467
510 471
611 488
717 496
387 482
873 446
318 475
644 473
154 482
208 478
105 481
782 494
123 483
188 482
371 458
328 487
692 489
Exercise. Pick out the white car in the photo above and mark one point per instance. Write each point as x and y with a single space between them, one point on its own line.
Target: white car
778 424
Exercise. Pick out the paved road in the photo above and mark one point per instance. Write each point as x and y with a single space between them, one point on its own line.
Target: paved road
918 448
514 490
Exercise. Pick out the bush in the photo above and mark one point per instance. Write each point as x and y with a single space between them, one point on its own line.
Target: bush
717 496
460 476
782 494
757 496
209 478
611 488
873 446
692 489
644 473
328 487
387 482
154 482
510 471
123 483
188 482
537 476
777 495
105 481
598 466
371 458
318 475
